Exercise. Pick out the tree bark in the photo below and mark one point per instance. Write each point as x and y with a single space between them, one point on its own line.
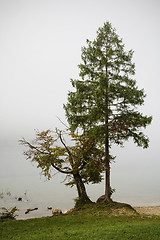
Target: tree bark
107 168
107 158
82 195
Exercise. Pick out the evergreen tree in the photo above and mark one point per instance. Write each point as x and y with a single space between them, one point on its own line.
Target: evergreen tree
104 103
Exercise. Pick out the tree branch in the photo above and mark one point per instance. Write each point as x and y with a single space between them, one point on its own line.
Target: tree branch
60 137
24 142
60 170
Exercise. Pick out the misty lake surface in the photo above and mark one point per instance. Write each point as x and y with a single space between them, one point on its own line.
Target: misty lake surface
36 192
20 178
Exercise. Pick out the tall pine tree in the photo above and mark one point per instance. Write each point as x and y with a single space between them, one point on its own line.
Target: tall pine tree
104 103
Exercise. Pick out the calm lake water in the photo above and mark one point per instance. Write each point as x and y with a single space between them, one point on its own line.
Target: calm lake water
38 193
35 192
19 177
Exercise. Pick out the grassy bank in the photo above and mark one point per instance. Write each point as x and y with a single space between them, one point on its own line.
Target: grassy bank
83 225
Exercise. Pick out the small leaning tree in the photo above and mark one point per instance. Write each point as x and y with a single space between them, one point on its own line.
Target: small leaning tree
81 162
105 100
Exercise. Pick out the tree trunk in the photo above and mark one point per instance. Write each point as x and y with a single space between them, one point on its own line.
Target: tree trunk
82 195
107 158
107 171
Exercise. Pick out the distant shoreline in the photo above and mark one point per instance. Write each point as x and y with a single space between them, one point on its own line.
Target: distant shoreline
143 210
148 210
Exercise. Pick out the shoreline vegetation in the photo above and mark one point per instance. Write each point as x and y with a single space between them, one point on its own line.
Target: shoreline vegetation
113 209
35 211
142 210
32 212
91 222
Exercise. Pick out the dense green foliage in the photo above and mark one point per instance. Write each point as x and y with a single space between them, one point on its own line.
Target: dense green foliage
107 94
105 98
82 226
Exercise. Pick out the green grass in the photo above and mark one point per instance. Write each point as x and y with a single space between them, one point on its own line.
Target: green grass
83 225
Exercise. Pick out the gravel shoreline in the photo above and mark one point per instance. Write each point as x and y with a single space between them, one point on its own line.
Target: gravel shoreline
149 210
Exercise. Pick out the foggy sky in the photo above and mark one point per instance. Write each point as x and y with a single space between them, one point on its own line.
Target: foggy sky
40 48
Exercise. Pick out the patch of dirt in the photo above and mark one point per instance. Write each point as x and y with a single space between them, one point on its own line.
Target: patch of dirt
152 210
120 209
123 212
